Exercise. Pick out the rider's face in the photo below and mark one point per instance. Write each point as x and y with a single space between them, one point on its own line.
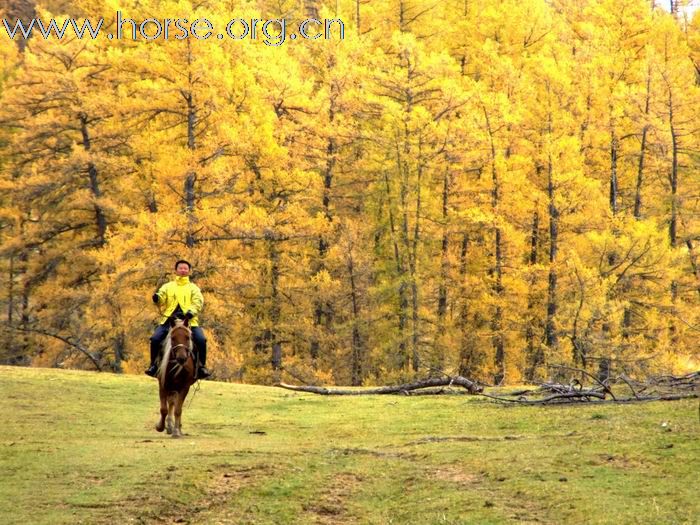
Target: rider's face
182 270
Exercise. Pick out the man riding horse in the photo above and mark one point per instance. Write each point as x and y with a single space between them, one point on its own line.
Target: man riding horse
183 300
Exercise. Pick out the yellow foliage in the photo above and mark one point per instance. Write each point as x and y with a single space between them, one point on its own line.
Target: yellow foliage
485 189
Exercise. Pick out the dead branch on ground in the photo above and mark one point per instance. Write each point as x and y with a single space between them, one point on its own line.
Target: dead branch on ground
662 388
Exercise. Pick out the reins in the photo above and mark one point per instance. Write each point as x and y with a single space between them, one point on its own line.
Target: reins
188 347
190 353
194 392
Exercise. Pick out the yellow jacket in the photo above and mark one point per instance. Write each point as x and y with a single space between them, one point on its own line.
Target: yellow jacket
181 291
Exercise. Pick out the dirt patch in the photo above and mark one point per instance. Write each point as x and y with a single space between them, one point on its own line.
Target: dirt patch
329 508
519 506
620 461
456 475
439 439
235 479
525 509
225 482
375 453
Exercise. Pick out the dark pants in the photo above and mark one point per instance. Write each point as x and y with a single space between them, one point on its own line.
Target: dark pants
198 338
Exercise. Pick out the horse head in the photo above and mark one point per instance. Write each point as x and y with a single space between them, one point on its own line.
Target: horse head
181 341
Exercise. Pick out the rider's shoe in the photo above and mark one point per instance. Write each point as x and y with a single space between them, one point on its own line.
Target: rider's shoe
203 373
151 371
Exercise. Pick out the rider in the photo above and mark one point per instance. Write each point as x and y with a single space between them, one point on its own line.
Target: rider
182 299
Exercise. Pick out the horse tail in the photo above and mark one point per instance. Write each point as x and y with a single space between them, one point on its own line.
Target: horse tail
163 367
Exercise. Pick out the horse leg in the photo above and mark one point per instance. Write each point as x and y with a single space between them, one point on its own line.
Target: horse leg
179 401
163 411
171 409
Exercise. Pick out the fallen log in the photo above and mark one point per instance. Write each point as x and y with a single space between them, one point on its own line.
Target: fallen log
558 394
405 389
439 391
669 397
688 381
562 397
565 399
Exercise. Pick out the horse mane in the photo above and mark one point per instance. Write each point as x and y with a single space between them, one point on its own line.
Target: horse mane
167 347
163 367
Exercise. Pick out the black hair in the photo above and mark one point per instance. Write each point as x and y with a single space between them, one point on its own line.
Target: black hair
183 261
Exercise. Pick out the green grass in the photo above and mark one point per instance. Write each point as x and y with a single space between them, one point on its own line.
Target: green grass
79 447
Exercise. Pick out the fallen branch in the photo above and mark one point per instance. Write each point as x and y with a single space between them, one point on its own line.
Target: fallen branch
95 358
562 397
405 389
687 381
605 387
440 391
558 394
629 384
670 397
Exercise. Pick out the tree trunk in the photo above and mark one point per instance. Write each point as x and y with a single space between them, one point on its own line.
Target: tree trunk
311 9
498 342
586 122
191 177
21 355
24 10
405 243
11 299
534 353
551 338
100 218
358 353
444 250
673 224
275 309
642 153
470 360
190 180
439 349
497 271
413 267
403 360
693 262
614 145
119 352
323 310
673 179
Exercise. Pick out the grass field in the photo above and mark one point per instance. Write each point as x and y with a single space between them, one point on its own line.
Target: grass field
79 447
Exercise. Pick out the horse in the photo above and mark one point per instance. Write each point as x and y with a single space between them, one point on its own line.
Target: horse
176 374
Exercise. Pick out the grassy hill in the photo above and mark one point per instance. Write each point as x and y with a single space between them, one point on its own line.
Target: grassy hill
79 447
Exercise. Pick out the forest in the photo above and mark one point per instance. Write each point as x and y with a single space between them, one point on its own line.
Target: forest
454 187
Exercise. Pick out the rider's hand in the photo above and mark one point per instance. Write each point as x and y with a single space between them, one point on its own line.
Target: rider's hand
155 298
189 315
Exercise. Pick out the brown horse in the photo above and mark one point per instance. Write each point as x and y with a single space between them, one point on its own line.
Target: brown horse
176 374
